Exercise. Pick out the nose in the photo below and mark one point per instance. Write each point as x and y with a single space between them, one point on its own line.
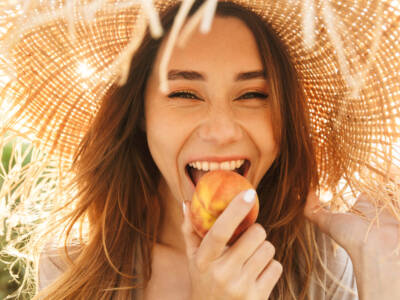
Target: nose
220 127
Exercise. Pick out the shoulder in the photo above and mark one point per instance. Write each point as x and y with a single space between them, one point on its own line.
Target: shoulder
334 278
53 263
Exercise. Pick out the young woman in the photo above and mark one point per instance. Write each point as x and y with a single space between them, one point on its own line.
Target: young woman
234 100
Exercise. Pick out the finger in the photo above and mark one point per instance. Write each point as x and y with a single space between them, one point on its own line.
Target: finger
258 261
245 246
394 174
191 238
312 205
372 211
365 206
268 279
217 237
318 214
333 224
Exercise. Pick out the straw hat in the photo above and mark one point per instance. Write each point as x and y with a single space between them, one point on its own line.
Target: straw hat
59 58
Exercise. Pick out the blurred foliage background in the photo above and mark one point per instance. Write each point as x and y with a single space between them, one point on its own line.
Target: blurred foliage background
9 282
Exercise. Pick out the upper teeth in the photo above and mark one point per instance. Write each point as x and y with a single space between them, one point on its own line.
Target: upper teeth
211 166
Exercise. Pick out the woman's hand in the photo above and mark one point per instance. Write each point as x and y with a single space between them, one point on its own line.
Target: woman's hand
245 270
372 246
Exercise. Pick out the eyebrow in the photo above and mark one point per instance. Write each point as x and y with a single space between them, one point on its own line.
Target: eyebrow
194 75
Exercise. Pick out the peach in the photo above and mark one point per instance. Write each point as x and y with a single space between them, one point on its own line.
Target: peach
214 191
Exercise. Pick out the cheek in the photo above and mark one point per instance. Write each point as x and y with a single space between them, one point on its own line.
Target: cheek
261 127
262 131
165 136
267 139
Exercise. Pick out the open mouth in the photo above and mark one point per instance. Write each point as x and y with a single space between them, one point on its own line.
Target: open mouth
195 174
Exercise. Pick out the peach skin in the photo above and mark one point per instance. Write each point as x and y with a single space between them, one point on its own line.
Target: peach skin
214 191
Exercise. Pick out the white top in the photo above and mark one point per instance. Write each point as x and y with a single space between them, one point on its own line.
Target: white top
338 262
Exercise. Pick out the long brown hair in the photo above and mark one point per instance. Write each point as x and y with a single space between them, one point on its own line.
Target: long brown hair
118 179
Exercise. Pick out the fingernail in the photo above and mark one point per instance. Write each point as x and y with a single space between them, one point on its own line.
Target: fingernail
184 207
249 196
316 209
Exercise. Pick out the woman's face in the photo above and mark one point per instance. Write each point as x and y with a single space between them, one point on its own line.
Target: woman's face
216 109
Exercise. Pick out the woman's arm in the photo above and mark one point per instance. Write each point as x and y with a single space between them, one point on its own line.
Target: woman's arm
376 260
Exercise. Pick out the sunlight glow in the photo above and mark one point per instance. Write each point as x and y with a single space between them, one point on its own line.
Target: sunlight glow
325 195
84 70
4 79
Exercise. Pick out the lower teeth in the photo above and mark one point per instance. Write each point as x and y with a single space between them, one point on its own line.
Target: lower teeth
196 174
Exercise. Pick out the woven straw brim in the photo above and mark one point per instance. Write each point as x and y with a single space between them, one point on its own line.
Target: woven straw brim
347 56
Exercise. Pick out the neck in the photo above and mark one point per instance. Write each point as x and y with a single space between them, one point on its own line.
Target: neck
171 233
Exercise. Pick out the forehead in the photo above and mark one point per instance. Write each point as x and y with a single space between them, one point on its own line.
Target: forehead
229 44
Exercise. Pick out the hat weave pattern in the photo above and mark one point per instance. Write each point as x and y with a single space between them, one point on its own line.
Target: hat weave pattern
59 58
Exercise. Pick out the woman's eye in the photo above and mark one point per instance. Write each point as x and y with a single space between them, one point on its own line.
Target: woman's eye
253 95
186 95
190 95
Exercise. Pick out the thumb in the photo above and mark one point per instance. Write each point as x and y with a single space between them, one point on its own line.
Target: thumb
316 213
192 239
333 224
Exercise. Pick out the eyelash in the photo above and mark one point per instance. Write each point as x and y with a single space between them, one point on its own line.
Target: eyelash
190 95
